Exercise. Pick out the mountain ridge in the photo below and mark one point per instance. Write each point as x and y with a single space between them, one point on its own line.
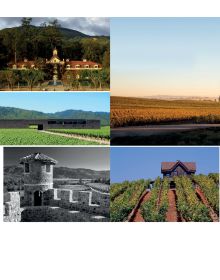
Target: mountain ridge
65 32
17 113
62 172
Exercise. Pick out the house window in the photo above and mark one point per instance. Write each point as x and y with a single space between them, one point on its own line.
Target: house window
26 168
68 66
48 168
77 66
86 66
14 66
96 66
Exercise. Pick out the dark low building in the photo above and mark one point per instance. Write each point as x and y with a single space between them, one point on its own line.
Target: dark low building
51 123
178 168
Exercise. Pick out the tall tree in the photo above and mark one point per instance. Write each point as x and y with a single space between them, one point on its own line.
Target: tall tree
26 21
10 77
32 77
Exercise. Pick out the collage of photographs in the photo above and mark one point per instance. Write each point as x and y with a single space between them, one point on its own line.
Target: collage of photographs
110 119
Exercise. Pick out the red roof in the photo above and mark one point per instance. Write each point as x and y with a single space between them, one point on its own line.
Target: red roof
74 63
169 166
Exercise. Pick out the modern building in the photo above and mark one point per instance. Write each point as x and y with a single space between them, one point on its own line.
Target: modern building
43 124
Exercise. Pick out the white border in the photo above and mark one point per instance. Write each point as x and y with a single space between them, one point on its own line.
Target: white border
109 251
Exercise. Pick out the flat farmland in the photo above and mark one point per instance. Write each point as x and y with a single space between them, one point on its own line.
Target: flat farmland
128 111
35 137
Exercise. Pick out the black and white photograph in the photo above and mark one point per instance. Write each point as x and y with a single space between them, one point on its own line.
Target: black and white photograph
48 184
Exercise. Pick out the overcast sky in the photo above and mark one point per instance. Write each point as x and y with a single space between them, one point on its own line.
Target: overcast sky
89 25
74 157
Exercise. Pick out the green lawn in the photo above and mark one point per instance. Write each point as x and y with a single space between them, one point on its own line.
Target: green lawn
34 137
103 133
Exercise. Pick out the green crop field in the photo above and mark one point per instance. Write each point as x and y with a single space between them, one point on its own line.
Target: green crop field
103 133
34 137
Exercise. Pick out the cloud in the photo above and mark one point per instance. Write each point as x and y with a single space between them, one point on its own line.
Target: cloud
90 25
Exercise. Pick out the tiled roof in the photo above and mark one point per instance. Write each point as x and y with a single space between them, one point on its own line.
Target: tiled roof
74 63
37 157
168 166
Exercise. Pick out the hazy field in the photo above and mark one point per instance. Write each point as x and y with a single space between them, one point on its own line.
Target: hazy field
34 137
127 111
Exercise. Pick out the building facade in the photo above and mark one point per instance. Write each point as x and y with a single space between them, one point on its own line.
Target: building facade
51 123
67 64
178 168
38 178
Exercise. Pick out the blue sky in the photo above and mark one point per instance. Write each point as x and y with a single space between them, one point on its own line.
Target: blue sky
165 56
133 163
50 102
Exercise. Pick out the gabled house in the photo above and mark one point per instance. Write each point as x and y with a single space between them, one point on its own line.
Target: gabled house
178 168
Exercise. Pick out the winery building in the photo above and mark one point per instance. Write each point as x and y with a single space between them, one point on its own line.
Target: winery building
178 168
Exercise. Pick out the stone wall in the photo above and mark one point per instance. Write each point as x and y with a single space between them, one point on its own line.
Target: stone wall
11 207
94 202
37 179
54 214
59 206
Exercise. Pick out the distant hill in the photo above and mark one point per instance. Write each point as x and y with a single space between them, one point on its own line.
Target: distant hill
66 33
17 113
181 97
79 173
16 171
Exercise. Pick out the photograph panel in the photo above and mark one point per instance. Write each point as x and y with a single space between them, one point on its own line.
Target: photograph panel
161 184
54 118
56 184
165 90
54 54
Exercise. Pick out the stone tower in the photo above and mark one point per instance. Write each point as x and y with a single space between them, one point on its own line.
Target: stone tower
38 178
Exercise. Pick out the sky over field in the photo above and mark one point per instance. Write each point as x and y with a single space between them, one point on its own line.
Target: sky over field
88 25
165 56
51 102
134 163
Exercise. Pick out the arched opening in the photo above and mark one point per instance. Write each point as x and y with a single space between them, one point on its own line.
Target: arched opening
37 198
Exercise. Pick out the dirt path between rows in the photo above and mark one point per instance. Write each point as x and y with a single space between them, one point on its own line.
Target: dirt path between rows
137 217
76 136
212 213
171 215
